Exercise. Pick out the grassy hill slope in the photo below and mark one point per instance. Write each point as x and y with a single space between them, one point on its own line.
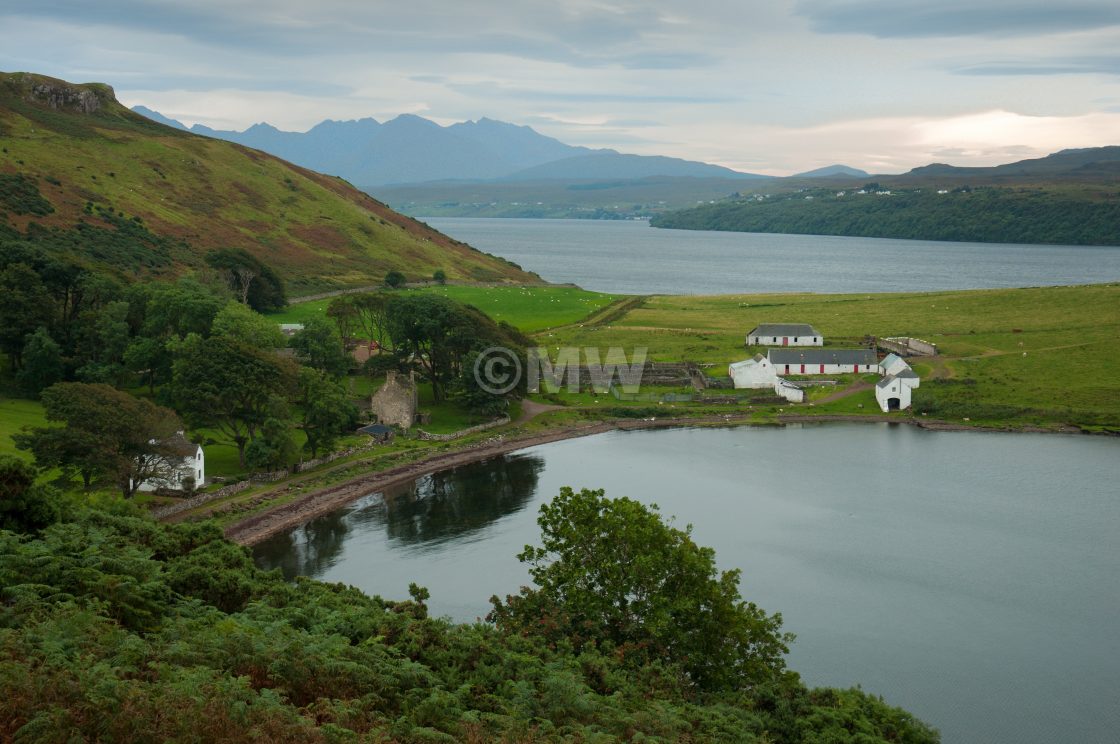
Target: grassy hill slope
95 162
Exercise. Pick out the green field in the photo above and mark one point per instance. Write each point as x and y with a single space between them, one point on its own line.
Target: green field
16 413
530 309
1036 355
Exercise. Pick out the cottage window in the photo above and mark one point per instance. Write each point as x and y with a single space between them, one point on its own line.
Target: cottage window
795 339
775 339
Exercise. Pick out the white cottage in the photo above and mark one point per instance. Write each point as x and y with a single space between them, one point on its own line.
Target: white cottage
757 373
186 461
785 334
823 361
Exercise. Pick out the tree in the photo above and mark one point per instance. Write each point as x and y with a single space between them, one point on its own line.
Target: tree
611 573
105 432
254 283
318 345
395 279
24 307
439 276
442 338
42 363
24 506
230 386
275 448
327 411
105 340
240 323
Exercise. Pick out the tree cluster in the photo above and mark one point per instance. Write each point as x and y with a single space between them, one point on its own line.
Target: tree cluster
115 628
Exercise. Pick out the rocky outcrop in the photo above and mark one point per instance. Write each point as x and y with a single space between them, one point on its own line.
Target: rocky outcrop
58 94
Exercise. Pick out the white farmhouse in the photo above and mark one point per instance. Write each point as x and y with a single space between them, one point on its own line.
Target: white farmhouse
785 334
757 373
823 361
186 461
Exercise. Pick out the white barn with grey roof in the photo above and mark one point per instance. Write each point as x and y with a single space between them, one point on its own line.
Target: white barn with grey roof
785 334
823 361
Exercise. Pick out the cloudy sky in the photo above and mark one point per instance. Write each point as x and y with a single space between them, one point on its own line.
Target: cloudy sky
769 87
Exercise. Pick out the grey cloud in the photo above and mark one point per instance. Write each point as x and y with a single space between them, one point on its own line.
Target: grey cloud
930 18
497 90
1102 65
593 37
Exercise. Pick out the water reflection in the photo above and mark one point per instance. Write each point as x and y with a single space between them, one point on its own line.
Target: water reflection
421 516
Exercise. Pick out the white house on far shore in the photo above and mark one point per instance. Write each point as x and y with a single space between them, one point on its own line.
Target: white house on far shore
186 461
785 334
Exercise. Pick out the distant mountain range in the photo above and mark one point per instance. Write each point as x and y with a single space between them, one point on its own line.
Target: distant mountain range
412 149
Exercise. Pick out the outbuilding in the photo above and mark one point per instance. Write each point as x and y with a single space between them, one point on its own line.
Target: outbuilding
823 361
757 373
892 364
785 334
893 394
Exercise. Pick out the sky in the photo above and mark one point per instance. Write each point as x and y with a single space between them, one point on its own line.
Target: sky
767 87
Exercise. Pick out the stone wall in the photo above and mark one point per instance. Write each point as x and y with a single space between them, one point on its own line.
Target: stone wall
462 432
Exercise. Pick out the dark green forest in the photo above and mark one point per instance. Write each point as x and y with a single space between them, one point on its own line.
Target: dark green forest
981 215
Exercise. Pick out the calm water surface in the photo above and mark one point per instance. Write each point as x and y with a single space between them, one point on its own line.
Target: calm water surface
972 578
631 257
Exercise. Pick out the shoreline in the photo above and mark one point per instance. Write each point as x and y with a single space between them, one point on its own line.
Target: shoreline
260 527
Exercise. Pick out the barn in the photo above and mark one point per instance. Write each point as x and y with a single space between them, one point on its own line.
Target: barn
756 373
823 361
785 334
893 394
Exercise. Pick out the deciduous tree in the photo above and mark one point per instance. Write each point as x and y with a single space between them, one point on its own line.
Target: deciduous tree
611 572
230 386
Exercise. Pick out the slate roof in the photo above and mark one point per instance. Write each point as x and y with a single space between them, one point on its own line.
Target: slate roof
885 382
376 430
907 373
890 359
784 329
823 356
180 445
747 362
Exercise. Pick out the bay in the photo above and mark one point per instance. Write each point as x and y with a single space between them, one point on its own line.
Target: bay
630 257
972 578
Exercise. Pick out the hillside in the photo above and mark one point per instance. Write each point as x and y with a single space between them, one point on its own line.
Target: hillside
138 198
1070 197
831 171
